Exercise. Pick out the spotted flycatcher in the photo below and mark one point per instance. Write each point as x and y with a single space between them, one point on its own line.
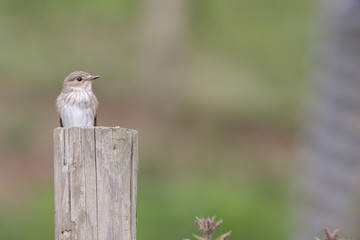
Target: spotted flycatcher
77 104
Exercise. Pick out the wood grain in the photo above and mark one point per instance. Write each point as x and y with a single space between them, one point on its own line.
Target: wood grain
95 183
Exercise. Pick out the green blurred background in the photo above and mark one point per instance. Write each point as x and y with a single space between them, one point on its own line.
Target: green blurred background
212 86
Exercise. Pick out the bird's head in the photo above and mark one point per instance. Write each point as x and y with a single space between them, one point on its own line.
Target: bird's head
78 81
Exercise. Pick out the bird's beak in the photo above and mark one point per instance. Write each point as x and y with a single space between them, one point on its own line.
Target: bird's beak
94 77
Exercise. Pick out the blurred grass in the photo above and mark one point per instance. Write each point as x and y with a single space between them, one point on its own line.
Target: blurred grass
228 152
246 207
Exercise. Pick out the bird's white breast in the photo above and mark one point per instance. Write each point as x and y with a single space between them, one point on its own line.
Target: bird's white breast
77 109
73 116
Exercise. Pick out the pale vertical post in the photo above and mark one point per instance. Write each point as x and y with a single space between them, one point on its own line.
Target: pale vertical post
327 171
95 172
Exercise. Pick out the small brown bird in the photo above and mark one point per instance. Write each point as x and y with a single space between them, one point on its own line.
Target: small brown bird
77 104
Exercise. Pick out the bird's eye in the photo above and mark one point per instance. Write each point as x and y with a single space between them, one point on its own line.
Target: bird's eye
79 79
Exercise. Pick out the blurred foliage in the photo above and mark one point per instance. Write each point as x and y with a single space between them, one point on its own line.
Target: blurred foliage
226 153
254 52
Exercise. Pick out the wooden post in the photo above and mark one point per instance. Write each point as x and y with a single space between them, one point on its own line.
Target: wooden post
95 183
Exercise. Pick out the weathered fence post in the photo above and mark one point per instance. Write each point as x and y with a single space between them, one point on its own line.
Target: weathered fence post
95 183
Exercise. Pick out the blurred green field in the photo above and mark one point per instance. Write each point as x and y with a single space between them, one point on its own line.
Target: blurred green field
225 150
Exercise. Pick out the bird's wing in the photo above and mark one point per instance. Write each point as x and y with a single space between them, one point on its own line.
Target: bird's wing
95 120
61 124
